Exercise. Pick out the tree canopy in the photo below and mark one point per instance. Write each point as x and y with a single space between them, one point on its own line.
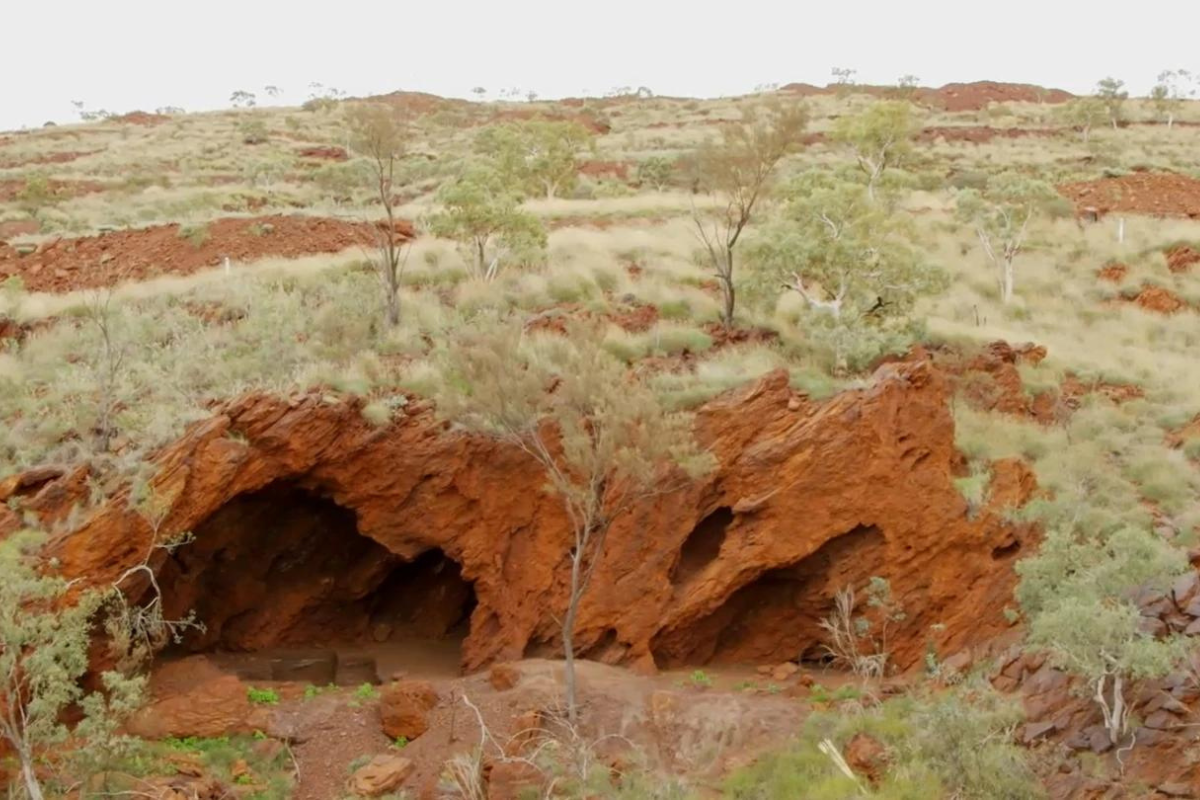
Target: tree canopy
481 211
844 254
537 156
880 137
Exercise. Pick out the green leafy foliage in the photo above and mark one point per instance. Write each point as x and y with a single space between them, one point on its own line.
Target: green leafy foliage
657 172
852 262
1001 214
844 254
880 137
1079 595
44 641
263 697
35 194
603 439
536 156
951 744
1083 113
480 210
739 169
1112 93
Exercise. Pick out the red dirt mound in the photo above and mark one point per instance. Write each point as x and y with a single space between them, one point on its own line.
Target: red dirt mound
330 153
1113 273
142 118
1181 258
1162 194
416 103
21 227
978 134
94 261
980 94
951 97
1160 300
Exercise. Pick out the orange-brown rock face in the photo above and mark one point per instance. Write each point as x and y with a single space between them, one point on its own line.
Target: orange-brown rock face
310 526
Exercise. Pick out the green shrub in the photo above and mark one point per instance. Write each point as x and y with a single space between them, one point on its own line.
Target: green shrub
953 743
267 697
195 235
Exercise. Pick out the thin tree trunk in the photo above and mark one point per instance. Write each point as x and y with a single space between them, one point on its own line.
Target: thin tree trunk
568 635
729 295
32 787
480 262
1006 283
393 300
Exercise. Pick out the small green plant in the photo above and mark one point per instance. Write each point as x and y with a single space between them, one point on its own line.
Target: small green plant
252 131
36 194
259 736
700 679
400 743
195 235
312 691
264 697
366 692
745 686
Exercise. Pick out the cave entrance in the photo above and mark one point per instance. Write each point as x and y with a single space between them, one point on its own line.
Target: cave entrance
284 583
777 616
703 546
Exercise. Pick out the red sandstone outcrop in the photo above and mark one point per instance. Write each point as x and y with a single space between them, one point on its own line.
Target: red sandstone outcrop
312 525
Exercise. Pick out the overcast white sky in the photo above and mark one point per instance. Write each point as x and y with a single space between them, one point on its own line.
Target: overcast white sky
122 55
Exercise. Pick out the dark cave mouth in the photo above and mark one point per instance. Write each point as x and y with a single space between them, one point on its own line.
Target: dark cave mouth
776 616
283 573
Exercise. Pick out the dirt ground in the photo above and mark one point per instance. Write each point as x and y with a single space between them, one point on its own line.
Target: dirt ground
1156 194
701 723
62 265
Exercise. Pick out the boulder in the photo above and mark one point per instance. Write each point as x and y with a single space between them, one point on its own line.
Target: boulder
404 708
867 756
381 775
513 780
192 697
503 677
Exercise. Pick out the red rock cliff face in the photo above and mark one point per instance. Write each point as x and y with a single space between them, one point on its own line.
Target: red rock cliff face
310 523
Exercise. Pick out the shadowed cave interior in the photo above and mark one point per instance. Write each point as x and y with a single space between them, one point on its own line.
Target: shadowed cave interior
282 576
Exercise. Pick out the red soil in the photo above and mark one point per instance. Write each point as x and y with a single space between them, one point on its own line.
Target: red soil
978 95
1113 273
20 227
1160 300
1157 194
324 153
1181 258
951 97
142 118
67 264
